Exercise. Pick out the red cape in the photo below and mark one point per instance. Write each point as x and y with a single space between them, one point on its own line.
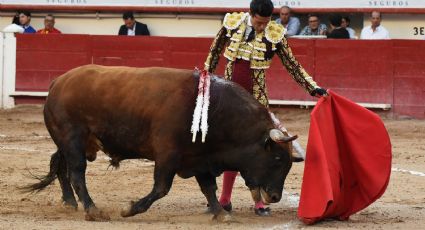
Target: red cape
348 161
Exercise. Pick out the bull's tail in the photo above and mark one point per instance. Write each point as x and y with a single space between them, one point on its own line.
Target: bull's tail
46 180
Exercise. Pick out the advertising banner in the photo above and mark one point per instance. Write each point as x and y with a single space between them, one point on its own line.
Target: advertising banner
319 4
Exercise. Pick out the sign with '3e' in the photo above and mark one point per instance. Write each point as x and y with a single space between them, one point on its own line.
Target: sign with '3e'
419 30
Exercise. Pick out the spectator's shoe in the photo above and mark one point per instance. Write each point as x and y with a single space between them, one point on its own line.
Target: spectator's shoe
227 207
262 211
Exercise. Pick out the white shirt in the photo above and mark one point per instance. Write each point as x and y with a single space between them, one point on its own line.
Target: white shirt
248 27
379 33
13 28
351 32
132 32
293 26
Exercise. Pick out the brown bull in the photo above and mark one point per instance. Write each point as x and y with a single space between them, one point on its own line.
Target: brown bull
132 113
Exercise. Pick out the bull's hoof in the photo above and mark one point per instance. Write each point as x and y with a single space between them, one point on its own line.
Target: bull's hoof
71 206
223 217
227 207
128 211
94 214
263 211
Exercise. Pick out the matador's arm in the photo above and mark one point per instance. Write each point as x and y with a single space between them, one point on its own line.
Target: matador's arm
216 50
294 68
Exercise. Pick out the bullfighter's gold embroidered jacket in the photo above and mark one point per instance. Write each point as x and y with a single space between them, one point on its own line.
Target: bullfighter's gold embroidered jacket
259 52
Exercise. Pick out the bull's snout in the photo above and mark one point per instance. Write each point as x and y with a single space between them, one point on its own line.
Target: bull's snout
275 197
270 197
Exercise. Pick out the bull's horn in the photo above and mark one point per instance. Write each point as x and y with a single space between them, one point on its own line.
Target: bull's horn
277 136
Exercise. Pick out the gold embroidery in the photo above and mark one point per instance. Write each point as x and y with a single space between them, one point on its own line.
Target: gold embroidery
259 89
258 55
260 64
232 50
228 71
255 52
244 52
215 50
260 46
234 20
274 32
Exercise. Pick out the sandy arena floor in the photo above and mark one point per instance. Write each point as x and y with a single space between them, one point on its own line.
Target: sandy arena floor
25 145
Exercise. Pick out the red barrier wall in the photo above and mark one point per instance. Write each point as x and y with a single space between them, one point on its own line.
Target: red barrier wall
40 59
389 72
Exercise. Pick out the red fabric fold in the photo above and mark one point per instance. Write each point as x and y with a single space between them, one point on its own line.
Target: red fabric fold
348 163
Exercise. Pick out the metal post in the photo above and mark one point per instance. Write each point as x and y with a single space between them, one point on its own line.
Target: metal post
9 70
1 68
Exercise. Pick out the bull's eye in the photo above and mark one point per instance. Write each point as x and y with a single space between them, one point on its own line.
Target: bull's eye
268 144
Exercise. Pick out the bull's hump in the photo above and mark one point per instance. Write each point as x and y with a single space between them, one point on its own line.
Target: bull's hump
147 70
219 80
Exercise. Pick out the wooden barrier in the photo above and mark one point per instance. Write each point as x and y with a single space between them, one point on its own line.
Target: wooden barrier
384 74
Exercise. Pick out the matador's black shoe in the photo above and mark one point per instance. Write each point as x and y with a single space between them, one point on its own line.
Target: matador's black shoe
263 211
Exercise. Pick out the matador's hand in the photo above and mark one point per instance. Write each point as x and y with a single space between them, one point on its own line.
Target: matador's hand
319 92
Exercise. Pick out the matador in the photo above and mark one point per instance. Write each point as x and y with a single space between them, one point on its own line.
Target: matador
250 40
